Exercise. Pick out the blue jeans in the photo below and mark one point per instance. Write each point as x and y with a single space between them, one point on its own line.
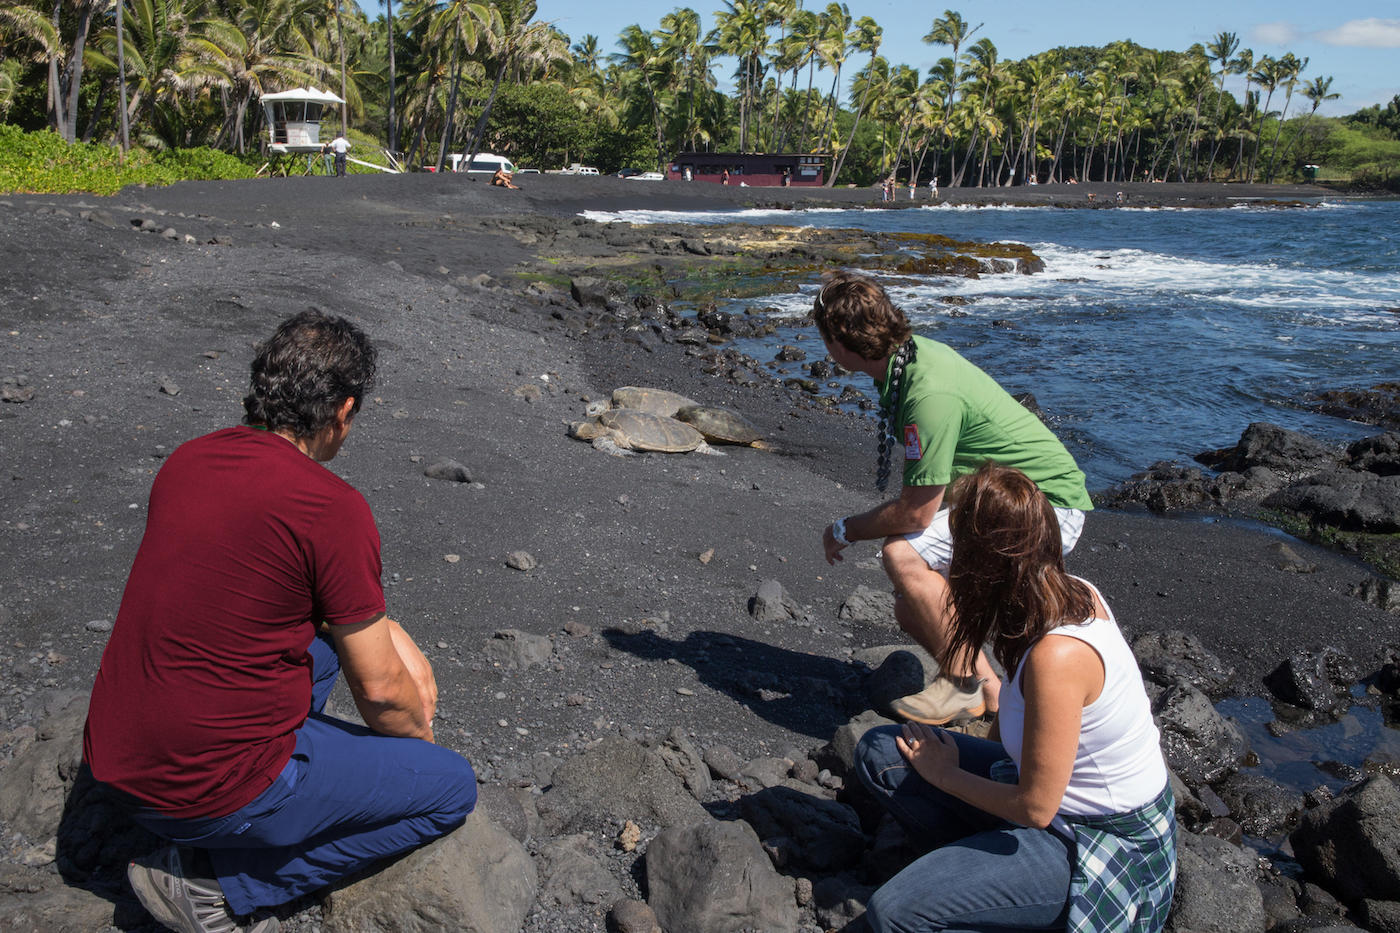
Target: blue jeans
982 873
347 798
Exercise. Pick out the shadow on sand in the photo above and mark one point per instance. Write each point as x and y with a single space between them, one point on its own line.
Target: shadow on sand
804 693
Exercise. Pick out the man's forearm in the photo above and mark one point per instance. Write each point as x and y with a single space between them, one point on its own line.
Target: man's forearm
395 709
888 518
912 511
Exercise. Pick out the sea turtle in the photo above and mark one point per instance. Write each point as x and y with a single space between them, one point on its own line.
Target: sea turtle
721 425
620 431
657 401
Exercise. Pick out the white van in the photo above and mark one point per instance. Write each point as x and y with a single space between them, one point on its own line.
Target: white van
482 163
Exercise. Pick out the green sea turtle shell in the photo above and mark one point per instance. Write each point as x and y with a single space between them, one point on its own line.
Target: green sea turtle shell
723 425
642 430
661 402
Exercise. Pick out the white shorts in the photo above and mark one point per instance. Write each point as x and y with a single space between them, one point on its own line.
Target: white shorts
935 543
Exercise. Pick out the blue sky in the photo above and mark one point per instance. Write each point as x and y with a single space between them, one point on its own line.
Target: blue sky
1357 43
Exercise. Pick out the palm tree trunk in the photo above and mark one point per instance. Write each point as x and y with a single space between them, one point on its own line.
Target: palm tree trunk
451 99
121 80
836 170
340 40
393 121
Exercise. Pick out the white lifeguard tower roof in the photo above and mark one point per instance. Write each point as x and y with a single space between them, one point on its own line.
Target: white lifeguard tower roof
294 118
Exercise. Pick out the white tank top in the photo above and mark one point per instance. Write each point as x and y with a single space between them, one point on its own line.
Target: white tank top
1119 765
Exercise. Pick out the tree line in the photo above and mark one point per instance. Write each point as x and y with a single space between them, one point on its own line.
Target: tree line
429 77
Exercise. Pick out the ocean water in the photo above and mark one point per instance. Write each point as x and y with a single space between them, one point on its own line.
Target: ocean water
1152 334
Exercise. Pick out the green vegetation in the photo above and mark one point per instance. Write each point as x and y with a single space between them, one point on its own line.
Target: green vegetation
430 77
42 163
1381 552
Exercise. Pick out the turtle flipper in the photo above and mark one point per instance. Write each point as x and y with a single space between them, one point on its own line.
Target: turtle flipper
609 446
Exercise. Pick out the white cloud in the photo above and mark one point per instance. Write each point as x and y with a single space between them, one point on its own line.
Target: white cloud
1275 33
1371 33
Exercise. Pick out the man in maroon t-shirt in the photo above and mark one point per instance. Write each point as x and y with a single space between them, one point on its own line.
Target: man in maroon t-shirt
256 583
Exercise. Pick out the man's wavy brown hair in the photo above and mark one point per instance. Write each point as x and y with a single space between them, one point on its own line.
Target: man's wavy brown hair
1007 579
855 312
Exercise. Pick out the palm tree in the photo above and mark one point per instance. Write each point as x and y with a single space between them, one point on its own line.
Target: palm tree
741 30
65 59
1290 68
950 29
867 39
392 130
687 56
1267 75
1221 51
458 25
1319 90
519 47
831 49
261 45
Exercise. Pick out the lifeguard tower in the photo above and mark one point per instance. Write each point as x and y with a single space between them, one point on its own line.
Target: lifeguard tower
294 124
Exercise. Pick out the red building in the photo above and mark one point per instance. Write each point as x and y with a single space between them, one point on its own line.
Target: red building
801 169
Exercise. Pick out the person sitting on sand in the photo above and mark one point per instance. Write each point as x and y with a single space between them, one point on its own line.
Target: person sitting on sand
502 178
256 583
951 417
1063 817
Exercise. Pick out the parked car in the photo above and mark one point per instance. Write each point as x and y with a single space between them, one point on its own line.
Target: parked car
483 163
527 171
628 172
647 176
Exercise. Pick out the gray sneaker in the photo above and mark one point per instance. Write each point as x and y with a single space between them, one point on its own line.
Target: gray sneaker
943 701
184 904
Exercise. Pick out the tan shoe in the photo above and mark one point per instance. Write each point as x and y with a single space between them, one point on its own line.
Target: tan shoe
942 702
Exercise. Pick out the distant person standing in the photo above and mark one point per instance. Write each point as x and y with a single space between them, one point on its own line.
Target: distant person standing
340 146
933 187
724 177
787 177
328 158
912 188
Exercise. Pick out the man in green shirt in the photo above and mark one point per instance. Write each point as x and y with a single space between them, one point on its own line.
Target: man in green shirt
950 417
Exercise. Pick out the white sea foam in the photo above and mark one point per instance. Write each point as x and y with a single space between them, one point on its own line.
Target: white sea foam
1125 277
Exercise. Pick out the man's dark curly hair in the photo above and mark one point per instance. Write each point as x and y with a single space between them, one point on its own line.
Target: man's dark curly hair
855 312
306 371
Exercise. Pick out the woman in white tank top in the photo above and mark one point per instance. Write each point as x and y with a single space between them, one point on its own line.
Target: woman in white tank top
1062 819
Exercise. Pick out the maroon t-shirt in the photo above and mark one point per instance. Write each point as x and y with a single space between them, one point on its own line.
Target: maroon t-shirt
249 545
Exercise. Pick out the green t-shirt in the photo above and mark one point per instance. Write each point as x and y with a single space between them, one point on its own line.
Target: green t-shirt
953 417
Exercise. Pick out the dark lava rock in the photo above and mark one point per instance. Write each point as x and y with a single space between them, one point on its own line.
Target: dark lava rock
1348 499
1200 745
790 354
1216 891
1268 445
1262 807
1171 656
1379 405
447 469
715 876
813 832
1351 845
1317 680
1379 454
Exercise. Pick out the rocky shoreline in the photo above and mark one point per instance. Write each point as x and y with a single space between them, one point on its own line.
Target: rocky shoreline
662 699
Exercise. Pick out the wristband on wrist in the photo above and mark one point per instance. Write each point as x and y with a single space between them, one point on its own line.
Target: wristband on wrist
838 531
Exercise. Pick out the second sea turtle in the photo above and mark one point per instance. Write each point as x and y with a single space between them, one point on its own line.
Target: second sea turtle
721 425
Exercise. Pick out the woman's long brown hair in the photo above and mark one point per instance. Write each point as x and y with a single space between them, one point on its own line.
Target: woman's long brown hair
1007 579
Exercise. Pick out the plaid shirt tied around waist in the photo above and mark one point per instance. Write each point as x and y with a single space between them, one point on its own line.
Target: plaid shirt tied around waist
1125 869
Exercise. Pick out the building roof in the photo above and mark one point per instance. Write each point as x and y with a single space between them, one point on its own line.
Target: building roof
305 93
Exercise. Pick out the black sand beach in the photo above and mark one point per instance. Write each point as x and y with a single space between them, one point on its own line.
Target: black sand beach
133 342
